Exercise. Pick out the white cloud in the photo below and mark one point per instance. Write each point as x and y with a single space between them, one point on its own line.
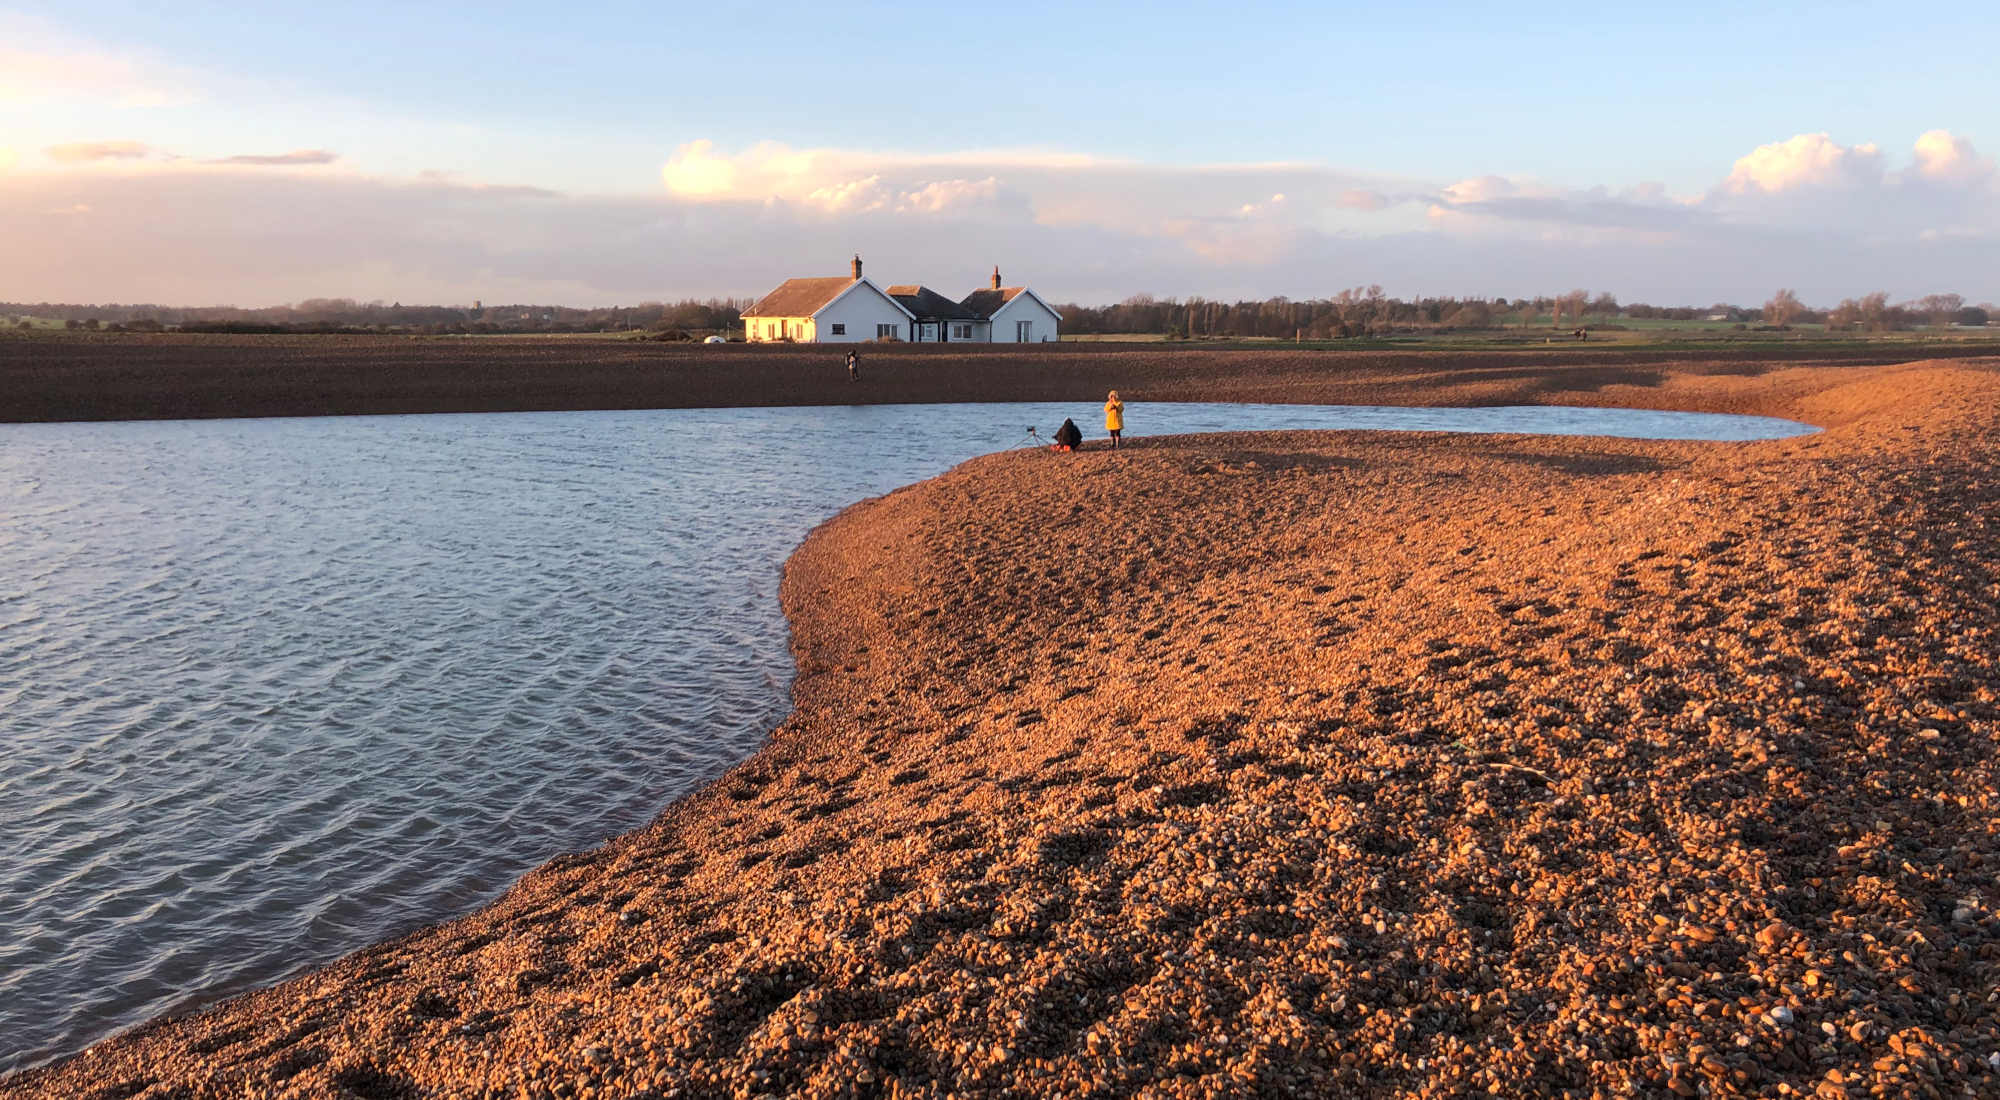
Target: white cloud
1808 160
960 195
1229 214
1945 158
851 196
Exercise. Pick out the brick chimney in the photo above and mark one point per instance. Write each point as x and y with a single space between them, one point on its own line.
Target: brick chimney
857 267
996 276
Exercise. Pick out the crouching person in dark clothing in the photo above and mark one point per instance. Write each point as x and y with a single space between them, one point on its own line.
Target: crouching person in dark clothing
1068 437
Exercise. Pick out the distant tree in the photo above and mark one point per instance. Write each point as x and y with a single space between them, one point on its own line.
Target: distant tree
1941 309
1875 312
1782 309
1844 316
1575 302
1970 315
1469 315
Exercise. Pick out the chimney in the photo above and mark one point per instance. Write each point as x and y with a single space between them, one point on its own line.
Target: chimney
857 267
996 276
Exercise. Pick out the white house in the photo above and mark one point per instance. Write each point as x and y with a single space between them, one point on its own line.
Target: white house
836 311
826 311
1012 315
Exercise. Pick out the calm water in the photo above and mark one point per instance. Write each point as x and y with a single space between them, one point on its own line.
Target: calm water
271 690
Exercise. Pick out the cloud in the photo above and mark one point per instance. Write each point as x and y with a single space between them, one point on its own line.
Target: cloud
1222 212
773 170
1942 157
1808 160
78 152
1370 201
1502 206
279 160
1078 228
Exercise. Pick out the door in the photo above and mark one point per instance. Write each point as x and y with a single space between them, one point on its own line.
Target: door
1024 332
929 333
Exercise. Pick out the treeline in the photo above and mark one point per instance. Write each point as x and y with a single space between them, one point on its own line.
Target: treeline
345 315
1366 311
1360 311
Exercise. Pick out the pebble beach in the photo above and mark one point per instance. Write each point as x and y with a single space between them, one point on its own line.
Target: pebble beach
1288 765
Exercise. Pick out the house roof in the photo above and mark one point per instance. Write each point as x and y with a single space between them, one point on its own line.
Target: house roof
985 303
928 304
800 297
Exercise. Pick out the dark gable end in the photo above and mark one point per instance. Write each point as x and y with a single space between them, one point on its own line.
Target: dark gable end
799 297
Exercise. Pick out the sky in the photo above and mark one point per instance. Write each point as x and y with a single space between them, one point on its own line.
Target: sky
220 152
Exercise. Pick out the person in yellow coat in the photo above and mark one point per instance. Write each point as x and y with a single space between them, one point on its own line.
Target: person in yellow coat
1114 417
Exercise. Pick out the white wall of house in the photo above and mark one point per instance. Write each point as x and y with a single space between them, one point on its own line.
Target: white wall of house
1044 324
858 315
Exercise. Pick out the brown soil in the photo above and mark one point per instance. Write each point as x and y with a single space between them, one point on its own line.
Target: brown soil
165 377
1288 765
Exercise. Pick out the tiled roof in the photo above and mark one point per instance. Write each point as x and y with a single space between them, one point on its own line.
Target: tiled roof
929 305
799 297
985 303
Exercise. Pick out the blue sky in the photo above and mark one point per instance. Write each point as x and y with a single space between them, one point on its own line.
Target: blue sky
1190 102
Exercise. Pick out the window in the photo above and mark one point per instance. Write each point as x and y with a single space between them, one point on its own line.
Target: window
1024 331
840 330
885 332
961 332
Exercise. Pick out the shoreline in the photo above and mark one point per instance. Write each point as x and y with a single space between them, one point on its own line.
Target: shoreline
1284 765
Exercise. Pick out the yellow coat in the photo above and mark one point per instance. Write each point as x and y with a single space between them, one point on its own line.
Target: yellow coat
1114 416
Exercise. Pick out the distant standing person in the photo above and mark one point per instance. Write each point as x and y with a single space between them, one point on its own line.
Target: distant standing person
1114 418
854 366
